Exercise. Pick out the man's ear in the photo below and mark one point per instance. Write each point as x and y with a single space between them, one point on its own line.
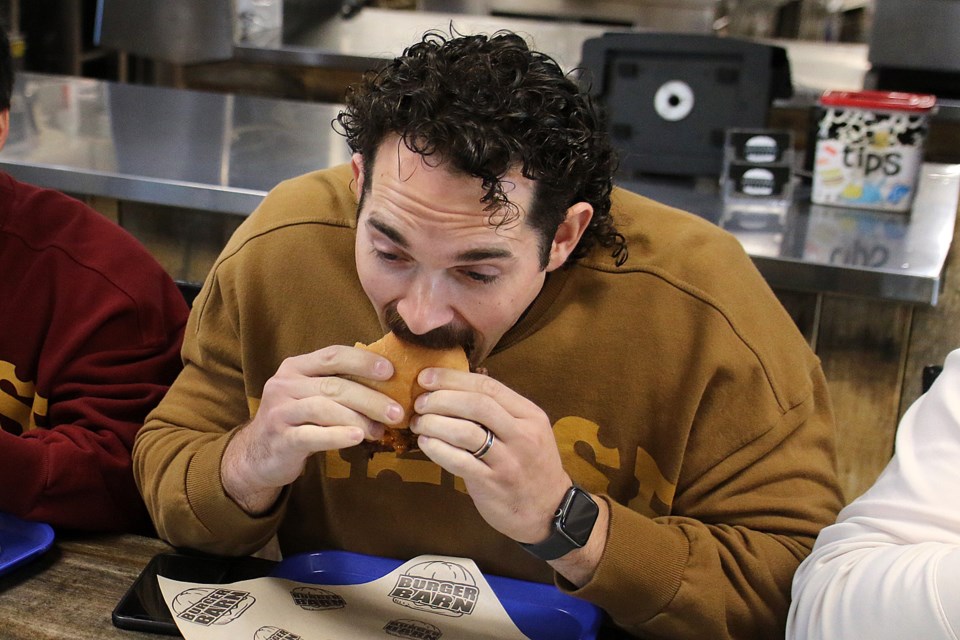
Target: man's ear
568 234
4 126
356 163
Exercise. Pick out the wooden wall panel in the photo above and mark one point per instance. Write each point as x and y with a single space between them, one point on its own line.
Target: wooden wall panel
106 206
804 308
863 345
185 241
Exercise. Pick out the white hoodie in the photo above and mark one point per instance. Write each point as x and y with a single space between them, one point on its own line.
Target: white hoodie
890 566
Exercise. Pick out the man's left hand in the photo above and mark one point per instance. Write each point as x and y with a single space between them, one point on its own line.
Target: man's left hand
518 483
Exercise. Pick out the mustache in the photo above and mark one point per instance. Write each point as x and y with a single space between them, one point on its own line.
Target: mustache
445 337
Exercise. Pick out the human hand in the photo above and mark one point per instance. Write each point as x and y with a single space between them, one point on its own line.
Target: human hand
517 485
306 407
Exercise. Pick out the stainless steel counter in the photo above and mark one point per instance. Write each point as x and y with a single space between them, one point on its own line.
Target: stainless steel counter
214 152
222 153
892 256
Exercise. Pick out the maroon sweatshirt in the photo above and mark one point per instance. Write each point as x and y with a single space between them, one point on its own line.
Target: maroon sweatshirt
90 333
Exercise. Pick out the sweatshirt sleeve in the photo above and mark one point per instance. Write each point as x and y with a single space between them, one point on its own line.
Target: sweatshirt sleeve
720 566
890 566
178 452
231 348
102 374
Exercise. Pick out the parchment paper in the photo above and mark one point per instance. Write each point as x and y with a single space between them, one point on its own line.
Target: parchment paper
427 598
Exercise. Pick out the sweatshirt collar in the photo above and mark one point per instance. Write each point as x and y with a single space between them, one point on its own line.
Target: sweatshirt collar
536 314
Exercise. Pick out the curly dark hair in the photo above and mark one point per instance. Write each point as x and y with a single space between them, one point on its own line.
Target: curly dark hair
488 105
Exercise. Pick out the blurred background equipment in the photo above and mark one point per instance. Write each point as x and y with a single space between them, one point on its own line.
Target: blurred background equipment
915 46
671 97
695 16
181 31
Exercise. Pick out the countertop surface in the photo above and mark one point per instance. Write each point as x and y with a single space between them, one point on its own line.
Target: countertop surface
222 153
210 151
69 592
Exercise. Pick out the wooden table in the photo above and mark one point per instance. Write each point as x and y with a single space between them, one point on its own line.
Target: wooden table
69 592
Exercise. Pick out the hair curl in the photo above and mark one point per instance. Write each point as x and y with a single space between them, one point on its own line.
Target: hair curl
488 105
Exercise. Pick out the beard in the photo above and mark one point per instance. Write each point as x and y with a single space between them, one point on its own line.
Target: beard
445 337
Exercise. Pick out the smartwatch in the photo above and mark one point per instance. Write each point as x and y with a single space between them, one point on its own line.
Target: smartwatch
572 524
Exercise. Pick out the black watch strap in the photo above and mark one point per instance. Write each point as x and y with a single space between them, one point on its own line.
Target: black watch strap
572 524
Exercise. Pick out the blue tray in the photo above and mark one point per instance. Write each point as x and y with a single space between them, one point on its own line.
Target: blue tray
540 611
21 541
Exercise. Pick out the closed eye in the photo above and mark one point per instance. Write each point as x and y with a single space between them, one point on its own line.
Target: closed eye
386 256
482 278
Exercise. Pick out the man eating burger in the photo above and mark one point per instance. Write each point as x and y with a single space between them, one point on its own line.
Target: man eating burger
645 429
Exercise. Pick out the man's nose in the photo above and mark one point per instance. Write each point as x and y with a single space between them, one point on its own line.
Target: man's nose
425 307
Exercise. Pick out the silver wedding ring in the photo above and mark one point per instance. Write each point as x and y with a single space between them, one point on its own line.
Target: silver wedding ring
486 446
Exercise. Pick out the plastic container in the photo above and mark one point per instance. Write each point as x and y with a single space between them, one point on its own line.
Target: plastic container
870 148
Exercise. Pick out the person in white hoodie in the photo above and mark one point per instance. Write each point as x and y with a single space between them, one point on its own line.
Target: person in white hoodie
890 566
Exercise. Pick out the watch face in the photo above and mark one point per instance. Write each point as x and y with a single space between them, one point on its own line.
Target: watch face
579 517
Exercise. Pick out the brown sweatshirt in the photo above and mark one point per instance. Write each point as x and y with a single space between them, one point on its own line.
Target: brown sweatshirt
679 390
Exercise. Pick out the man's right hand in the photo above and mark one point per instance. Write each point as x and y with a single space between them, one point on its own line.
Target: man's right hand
306 407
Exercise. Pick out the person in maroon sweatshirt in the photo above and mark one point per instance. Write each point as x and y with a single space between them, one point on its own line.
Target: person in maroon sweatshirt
90 333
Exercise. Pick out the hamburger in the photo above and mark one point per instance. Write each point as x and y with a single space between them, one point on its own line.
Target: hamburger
408 361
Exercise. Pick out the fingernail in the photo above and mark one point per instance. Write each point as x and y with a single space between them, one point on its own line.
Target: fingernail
382 367
421 400
428 377
394 412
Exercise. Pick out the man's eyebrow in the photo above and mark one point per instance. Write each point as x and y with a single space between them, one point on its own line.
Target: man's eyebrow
479 255
470 255
390 232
